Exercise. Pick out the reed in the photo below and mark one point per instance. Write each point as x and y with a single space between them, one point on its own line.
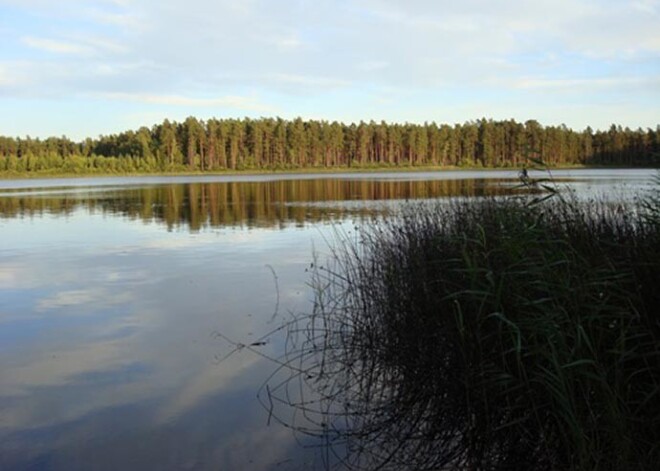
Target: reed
485 334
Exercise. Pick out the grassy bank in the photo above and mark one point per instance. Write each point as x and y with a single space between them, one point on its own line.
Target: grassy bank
488 334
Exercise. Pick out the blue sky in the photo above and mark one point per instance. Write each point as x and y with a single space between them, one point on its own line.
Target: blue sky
89 67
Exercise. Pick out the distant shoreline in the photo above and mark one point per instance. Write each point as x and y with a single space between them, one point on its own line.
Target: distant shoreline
292 171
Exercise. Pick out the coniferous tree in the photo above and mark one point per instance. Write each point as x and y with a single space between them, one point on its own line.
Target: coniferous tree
276 143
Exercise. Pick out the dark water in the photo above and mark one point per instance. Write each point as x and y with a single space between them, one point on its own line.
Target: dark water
113 293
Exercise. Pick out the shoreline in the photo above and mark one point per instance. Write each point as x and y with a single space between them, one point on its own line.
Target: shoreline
292 171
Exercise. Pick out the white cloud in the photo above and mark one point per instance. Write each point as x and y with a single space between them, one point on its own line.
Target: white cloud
6 78
103 44
119 69
236 102
131 22
57 46
289 42
327 54
372 66
75 45
577 84
306 80
646 6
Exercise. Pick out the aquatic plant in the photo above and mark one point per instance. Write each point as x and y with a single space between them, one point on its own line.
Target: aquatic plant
483 334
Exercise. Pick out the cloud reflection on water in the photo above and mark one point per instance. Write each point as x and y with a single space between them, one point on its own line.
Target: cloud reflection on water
145 340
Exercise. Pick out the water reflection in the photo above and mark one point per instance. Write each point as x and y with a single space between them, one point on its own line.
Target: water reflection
108 361
238 204
109 296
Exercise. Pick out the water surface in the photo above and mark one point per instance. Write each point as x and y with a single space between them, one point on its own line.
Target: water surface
113 292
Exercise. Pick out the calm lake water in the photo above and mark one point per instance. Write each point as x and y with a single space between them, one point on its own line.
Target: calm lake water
113 293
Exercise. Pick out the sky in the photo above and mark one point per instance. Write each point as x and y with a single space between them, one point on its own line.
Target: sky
82 68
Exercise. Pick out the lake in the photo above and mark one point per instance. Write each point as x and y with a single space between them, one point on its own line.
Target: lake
126 303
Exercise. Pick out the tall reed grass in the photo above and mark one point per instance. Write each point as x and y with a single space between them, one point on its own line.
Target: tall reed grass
486 334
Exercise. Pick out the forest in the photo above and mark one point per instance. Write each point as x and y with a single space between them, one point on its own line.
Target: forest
276 144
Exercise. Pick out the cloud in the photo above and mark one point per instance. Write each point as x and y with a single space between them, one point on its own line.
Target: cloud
328 58
372 66
586 83
289 42
236 102
57 46
305 80
127 21
103 44
646 6
7 79
123 69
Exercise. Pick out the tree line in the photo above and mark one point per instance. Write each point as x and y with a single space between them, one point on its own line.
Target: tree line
274 143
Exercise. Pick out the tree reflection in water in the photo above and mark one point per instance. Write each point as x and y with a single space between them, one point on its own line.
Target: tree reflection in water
278 203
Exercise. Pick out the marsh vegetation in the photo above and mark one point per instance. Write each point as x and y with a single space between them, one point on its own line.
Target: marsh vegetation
483 334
